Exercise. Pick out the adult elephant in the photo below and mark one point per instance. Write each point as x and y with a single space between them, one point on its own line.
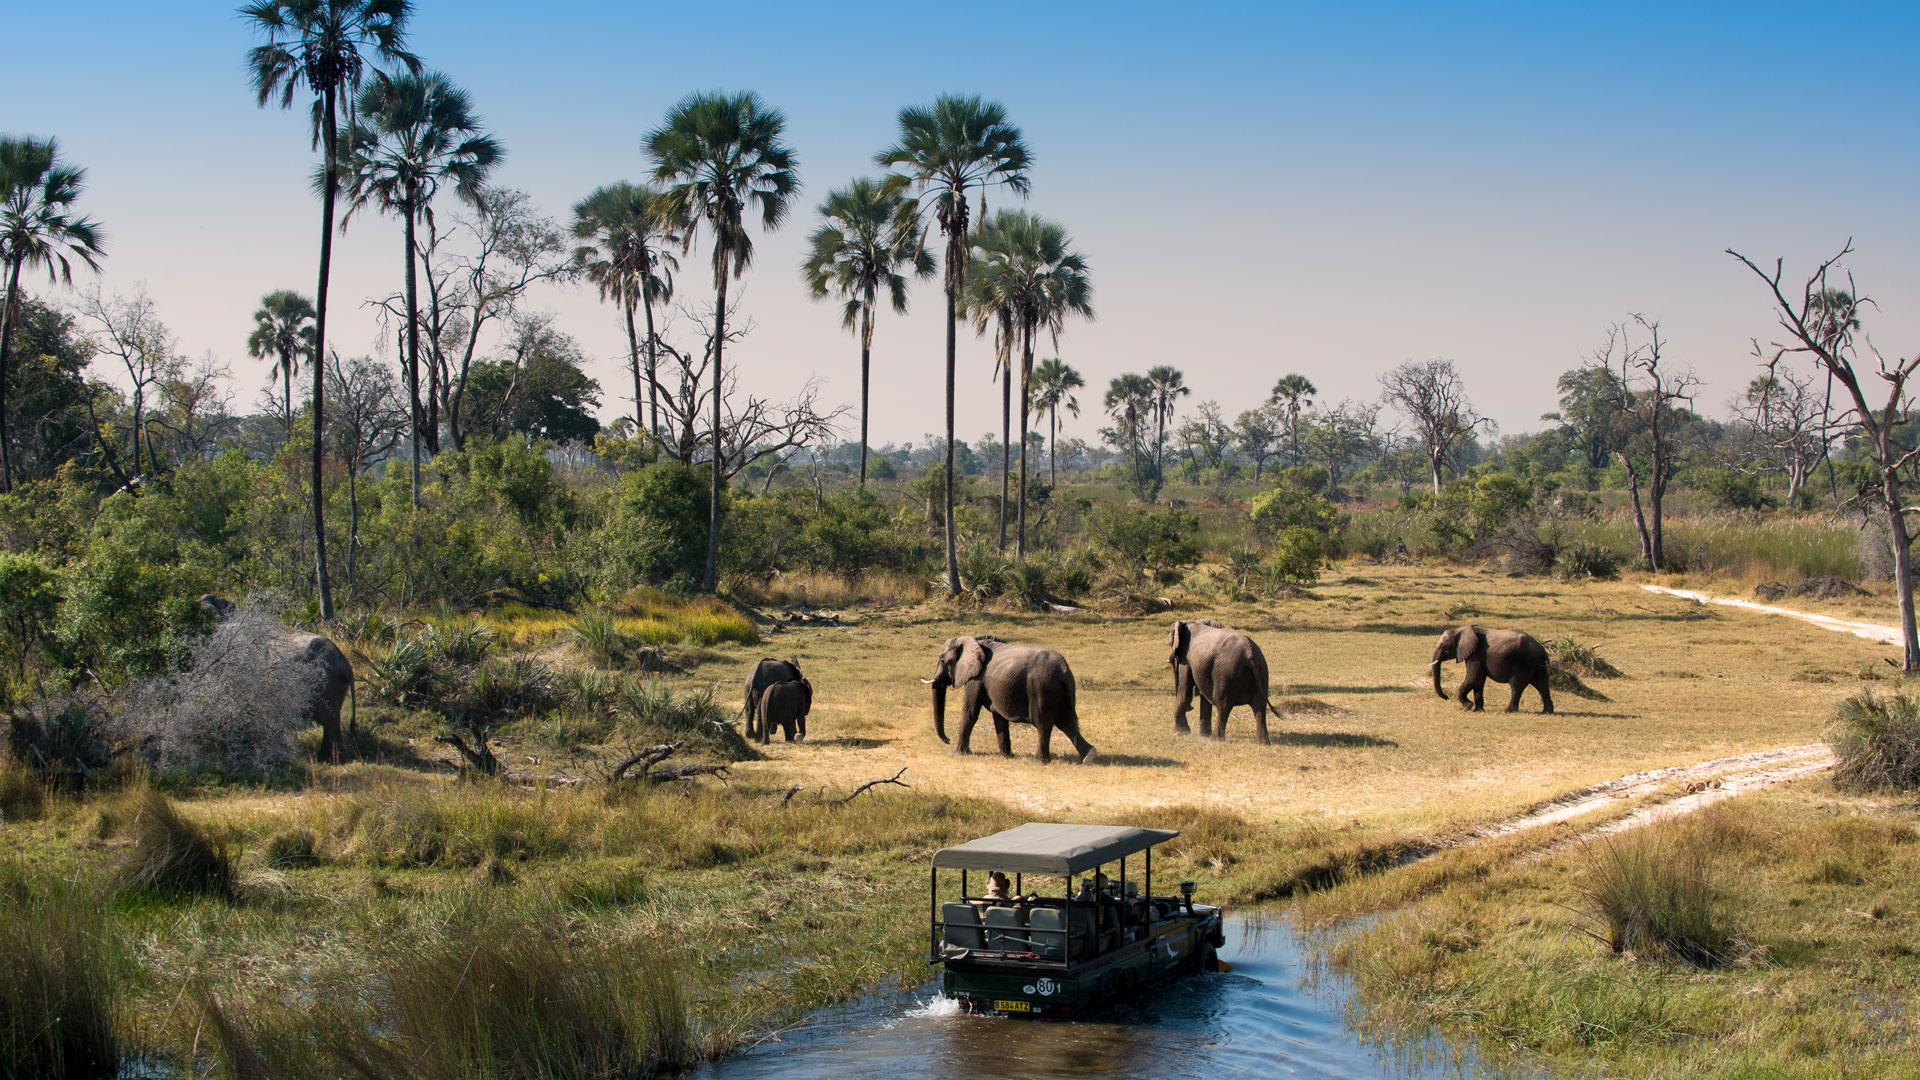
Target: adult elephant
764 674
785 705
1505 656
1224 667
314 667
1018 684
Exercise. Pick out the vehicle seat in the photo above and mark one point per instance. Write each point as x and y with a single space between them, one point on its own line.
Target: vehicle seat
1051 946
963 927
1083 941
1006 930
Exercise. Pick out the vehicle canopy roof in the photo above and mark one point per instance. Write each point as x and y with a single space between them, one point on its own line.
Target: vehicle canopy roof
1043 848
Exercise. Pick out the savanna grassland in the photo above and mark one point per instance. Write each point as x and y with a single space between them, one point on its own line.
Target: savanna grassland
726 906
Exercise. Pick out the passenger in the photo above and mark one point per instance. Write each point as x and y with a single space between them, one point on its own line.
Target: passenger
997 886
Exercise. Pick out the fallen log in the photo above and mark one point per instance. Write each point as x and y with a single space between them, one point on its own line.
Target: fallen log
894 779
646 757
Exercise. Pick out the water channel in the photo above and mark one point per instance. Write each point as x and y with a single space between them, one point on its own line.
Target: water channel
1274 1014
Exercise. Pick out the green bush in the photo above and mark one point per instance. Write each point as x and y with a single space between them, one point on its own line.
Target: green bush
1877 742
29 599
1731 490
1297 555
1580 560
1155 544
657 532
1274 512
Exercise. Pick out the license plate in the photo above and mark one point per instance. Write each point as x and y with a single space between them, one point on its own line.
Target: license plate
1013 1006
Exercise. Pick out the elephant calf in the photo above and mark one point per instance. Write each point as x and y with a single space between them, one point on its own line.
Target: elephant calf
764 674
1505 656
1224 667
785 705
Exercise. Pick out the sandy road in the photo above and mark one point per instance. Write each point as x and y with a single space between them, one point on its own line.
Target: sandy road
1885 635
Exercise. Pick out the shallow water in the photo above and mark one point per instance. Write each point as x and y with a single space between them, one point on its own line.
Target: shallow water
1274 1014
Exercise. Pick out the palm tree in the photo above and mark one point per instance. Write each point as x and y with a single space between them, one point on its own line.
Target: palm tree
1129 398
283 331
1027 273
957 144
985 304
723 152
1297 392
37 228
415 133
1168 385
1053 385
318 44
627 259
869 233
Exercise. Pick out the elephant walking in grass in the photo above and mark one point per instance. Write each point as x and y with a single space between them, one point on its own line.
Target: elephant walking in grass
1017 684
1224 667
1505 656
764 674
785 705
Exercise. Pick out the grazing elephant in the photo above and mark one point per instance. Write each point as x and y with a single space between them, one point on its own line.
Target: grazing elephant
1018 684
785 705
1506 656
1224 667
765 674
316 664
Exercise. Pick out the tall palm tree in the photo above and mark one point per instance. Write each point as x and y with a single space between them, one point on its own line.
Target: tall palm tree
283 332
37 228
723 152
1027 271
983 303
1297 393
318 44
1169 385
945 150
414 134
629 230
868 234
1128 400
1053 385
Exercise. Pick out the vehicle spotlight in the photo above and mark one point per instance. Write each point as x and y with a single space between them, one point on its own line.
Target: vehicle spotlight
1186 895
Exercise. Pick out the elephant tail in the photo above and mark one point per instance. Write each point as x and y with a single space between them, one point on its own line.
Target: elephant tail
353 708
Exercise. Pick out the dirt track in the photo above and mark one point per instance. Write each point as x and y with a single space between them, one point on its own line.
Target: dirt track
1886 635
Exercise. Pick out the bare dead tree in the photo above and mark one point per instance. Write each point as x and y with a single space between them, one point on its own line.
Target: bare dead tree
1813 322
127 330
506 248
196 407
1433 397
365 420
1785 417
1651 392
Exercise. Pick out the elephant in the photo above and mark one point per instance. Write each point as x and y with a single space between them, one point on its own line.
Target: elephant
316 665
764 674
785 705
1506 656
1224 667
1018 684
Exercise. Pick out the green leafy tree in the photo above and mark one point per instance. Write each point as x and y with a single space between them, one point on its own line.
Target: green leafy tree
47 406
1054 382
628 231
283 332
29 597
415 133
1294 393
723 153
869 233
319 44
947 151
1027 272
38 228
538 389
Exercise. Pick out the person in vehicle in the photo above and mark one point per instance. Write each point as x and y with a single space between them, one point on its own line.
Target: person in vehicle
997 886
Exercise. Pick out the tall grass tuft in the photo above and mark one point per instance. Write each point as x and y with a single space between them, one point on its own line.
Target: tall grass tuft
1877 742
598 636
172 856
1581 658
23 796
58 998
1652 892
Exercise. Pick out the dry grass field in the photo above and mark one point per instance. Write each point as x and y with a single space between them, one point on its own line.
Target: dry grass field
1362 736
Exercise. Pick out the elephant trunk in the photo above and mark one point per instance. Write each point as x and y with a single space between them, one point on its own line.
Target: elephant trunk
940 709
1436 678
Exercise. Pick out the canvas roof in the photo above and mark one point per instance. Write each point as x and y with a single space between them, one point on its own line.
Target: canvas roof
1042 848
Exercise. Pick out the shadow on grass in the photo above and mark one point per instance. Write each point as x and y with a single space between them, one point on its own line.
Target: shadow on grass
851 742
1142 760
1328 688
1345 739
1410 629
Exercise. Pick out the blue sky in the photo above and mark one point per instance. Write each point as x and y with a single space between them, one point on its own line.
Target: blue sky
1260 188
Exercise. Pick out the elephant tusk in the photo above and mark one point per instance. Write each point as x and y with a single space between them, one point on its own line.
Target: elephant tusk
1436 663
929 682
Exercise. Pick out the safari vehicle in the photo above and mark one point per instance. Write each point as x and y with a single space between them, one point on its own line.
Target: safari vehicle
1063 956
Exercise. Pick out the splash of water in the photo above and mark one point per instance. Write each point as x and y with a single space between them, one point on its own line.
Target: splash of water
937 1005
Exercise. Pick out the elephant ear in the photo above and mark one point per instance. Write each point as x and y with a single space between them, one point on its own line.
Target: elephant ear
806 692
974 655
1177 637
1472 640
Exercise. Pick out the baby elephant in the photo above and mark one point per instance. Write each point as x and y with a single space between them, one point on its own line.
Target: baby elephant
1505 656
785 705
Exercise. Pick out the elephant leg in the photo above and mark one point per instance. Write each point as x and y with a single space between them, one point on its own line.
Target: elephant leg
971 703
1467 680
1183 699
1080 744
1260 719
803 727
330 743
1540 683
1206 718
786 728
1220 729
1513 699
1046 740
1003 734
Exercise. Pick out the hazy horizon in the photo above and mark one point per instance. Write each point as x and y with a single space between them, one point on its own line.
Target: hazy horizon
1258 189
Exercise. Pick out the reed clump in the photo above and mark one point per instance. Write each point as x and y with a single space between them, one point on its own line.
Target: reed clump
59 1001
